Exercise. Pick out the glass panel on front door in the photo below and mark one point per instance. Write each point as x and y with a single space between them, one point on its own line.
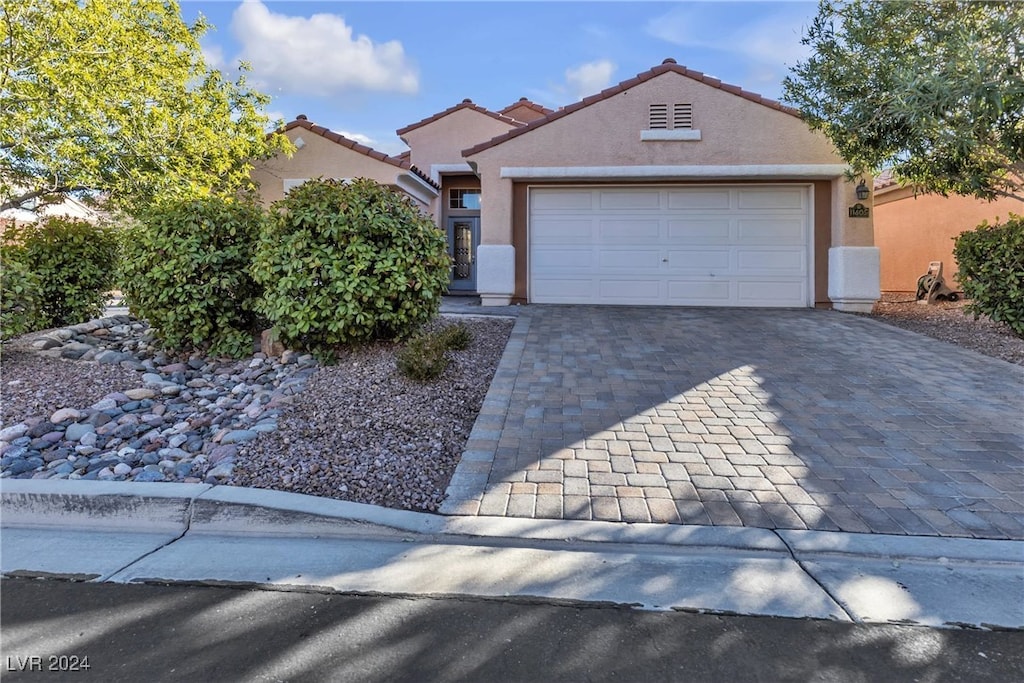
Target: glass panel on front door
463 250
463 237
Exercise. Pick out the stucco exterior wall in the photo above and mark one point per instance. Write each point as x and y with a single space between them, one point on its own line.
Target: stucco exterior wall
442 141
318 157
913 231
734 131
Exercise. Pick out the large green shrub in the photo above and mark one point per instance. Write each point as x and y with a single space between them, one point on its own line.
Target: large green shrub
73 263
991 264
349 262
187 271
19 294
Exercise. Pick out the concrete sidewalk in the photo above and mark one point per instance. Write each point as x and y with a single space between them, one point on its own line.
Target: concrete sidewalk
131 532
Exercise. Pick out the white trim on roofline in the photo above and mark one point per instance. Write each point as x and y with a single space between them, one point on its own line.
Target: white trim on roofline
675 172
437 169
417 187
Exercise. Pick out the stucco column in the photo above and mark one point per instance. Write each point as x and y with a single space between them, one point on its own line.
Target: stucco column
496 257
854 263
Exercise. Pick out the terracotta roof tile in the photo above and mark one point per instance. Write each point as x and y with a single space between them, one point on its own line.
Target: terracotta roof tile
464 104
885 179
401 161
665 67
528 104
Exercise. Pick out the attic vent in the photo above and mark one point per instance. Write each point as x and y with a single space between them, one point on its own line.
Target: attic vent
682 116
658 117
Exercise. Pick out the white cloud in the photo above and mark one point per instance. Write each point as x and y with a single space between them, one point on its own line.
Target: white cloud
213 55
590 78
772 39
358 137
320 55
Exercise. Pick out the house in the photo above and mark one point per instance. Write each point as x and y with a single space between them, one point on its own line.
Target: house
670 188
912 229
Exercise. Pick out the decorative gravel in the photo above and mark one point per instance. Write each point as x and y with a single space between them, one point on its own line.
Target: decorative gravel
363 432
949 322
97 401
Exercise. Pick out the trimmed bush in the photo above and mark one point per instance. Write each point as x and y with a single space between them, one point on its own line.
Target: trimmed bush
455 337
991 271
349 262
423 358
187 271
74 264
19 289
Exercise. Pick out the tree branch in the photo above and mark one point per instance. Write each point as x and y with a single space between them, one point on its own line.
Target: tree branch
16 202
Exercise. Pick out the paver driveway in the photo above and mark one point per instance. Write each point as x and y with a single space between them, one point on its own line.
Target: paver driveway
768 418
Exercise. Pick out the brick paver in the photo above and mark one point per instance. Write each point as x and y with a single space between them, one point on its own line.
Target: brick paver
777 419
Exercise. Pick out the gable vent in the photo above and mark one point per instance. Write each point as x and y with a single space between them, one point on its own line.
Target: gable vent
658 117
682 116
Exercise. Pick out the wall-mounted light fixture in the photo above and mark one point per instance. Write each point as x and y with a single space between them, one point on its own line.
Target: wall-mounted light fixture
300 143
862 191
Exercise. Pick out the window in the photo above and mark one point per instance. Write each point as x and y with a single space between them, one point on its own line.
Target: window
463 199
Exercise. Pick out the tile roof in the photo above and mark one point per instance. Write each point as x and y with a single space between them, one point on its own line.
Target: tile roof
464 104
401 161
524 102
669 65
885 179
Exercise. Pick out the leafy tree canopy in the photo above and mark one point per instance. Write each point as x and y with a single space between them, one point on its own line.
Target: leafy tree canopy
114 96
932 89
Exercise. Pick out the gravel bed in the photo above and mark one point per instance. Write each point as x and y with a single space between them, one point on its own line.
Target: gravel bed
949 322
363 432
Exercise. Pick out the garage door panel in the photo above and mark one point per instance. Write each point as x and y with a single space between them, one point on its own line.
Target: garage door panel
562 231
699 246
700 231
702 260
633 259
629 231
560 290
772 262
700 199
557 260
763 293
629 291
708 292
772 231
771 198
567 199
629 199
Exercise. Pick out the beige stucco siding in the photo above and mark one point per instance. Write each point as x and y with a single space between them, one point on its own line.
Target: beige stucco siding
912 231
319 157
442 141
734 131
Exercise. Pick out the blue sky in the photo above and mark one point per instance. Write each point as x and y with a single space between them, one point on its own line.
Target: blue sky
366 69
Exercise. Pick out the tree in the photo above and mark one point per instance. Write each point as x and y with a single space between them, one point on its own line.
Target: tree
934 90
115 97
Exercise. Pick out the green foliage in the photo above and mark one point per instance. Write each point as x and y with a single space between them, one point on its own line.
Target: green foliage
18 297
423 358
73 263
991 271
344 263
186 271
934 90
455 337
116 96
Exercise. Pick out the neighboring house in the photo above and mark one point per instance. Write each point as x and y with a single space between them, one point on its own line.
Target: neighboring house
69 207
323 153
669 188
912 230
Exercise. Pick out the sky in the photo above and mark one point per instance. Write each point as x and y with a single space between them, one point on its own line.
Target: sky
366 69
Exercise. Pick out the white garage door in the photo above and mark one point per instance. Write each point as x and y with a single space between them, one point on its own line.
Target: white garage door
685 246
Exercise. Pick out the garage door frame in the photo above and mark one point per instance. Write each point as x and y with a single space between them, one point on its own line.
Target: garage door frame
808 189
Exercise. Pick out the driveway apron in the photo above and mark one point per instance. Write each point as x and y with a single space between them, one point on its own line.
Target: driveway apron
780 419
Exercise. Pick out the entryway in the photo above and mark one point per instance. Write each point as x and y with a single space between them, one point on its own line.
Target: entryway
463 237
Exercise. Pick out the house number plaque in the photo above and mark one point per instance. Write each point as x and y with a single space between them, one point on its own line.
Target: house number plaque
859 211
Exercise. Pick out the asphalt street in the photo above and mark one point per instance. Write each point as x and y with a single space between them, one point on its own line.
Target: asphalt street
52 629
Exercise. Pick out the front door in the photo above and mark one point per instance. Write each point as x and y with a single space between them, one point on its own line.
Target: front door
463 236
